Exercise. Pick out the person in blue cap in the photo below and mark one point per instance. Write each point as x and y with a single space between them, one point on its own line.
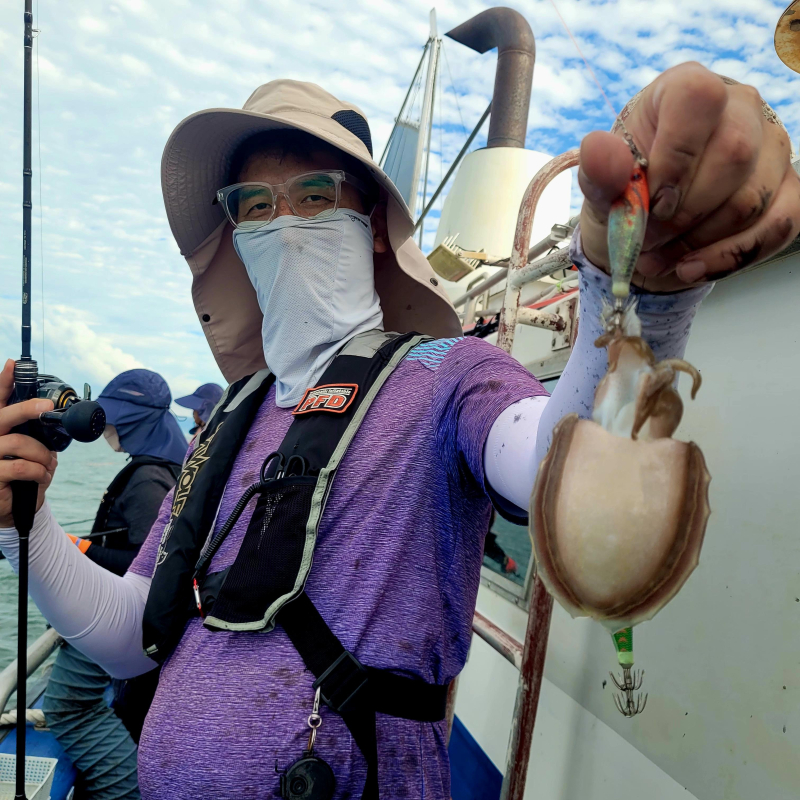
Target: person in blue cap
202 401
101 740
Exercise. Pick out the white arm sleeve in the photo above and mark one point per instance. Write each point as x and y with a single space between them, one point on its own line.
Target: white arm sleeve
510 459
98 612
520 436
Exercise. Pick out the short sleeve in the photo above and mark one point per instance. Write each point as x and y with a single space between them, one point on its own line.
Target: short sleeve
474 383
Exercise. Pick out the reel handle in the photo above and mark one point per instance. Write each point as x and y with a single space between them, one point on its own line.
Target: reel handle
83 420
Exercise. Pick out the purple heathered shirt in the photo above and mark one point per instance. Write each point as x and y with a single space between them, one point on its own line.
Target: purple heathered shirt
395 576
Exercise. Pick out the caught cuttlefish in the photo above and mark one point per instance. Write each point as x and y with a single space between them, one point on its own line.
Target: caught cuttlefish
619 508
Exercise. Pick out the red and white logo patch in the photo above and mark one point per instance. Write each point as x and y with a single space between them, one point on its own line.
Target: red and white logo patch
335 397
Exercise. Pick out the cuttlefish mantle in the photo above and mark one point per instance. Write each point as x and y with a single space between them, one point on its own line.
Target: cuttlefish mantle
619 508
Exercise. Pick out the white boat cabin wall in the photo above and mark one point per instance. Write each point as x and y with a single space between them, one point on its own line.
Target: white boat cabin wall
722 661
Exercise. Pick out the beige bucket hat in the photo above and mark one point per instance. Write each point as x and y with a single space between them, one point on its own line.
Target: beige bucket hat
196 163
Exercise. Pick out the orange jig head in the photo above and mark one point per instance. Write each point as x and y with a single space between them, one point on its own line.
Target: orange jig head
627 223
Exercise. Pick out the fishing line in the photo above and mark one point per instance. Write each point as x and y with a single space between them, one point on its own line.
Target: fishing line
77 521
453 87
580 53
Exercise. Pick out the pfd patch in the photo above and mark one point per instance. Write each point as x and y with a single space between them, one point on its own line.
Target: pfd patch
335 397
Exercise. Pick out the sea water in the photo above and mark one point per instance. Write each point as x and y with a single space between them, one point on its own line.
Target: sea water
84 471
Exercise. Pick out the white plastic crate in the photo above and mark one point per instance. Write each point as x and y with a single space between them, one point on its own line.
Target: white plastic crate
38 776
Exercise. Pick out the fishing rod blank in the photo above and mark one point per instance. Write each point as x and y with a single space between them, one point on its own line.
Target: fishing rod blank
71 418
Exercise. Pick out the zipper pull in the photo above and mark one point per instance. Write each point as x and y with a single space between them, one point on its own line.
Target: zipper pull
197 596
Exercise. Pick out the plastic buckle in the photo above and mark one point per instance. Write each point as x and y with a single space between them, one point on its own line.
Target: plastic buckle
342 681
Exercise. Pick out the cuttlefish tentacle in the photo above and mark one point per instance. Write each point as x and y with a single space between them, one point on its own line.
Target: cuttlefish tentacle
653 385
658 401
679 365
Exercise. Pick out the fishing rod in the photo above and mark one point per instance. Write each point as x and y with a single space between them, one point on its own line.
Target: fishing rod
71 417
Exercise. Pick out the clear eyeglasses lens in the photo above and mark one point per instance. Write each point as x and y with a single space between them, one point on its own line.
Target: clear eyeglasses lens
252 205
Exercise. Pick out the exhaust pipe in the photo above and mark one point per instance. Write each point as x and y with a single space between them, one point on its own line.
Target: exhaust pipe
509 32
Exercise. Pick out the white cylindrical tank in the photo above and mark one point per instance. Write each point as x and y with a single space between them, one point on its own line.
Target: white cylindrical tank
483 203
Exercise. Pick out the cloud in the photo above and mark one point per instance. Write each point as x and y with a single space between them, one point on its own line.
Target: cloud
116 76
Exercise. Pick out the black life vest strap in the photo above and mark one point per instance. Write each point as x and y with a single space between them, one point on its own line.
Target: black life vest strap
354 691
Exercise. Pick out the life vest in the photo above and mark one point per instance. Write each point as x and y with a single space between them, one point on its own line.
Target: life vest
265 584
118 538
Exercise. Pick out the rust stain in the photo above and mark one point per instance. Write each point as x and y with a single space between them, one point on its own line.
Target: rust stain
787 36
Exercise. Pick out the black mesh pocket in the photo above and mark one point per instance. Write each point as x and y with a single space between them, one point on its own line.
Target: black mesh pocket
269 559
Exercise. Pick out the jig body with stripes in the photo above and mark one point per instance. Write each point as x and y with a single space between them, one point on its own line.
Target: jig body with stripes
627 222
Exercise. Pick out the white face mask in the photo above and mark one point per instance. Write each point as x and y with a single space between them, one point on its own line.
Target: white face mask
112 437
315 283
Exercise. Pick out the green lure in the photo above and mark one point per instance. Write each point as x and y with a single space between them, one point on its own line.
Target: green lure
626 704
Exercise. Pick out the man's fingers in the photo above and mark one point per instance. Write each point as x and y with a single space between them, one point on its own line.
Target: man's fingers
20 470
11 416
605 169
749 203
27 448
731 158
776 229
6 382
688 103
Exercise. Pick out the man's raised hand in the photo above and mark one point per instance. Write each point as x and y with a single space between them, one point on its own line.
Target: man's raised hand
723 193
31 461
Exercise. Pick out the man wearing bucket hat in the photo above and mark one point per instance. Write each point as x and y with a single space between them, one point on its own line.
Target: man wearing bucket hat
202 401
378 451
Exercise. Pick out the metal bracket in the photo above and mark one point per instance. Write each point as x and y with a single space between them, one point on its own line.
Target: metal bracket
567 310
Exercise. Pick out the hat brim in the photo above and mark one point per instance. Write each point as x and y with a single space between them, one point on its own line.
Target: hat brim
190 401
196 163
197 160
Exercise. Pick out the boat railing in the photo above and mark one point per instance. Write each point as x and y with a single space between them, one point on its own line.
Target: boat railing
526 265
38 653
528 656
544 259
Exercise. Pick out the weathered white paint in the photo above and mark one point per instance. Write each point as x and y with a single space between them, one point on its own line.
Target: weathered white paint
575 755
483 203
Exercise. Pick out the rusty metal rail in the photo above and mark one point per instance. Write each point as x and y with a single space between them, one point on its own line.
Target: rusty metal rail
519 271
541 603
529 657
496 637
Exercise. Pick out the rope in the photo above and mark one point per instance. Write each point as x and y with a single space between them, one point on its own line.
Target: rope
34 715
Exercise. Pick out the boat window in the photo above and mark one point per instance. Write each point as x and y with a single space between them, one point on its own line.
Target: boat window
550 384
507 566
507 550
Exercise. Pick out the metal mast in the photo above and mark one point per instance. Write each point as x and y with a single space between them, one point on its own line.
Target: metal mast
426 119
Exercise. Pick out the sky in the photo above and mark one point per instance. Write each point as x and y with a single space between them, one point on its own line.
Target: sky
113 78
